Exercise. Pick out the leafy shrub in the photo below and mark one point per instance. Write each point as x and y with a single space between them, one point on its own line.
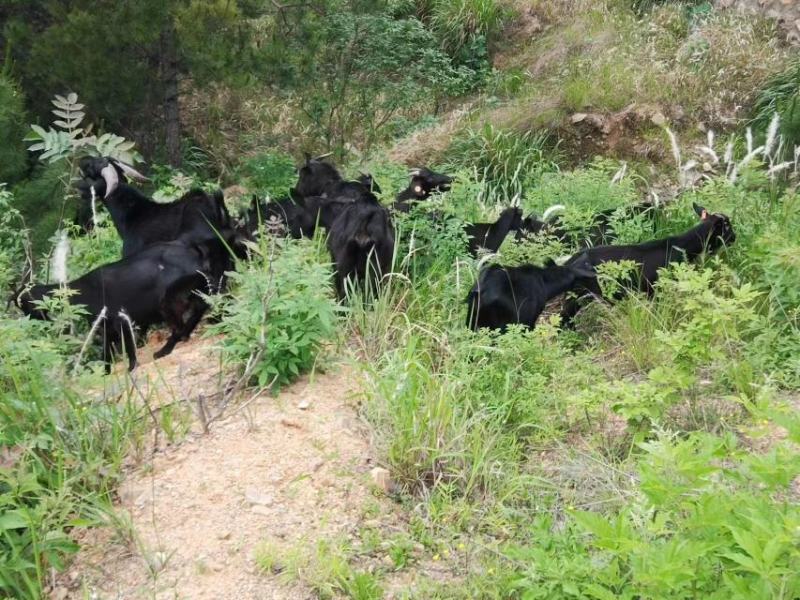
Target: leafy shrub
100 246
584 193
41 202
12 241
13 158
693 529
62 454
270 174
428 246
367 69
279 314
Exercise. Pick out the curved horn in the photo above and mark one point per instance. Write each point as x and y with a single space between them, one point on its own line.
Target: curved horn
413 172
111 177
130 171
553 209
326 155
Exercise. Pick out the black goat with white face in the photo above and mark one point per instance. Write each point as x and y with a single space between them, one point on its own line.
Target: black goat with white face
140 222
713 233
424 182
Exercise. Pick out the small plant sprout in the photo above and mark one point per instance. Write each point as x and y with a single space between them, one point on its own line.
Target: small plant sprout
620 174
89 336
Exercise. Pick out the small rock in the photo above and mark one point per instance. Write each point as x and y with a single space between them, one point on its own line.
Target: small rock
382 479
264 511
658 119
578 117
224 535
303 405
253 496
59 593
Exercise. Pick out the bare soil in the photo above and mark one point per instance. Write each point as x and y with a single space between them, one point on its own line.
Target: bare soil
291 469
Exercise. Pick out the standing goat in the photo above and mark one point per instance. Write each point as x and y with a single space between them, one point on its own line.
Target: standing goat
506 295
194 217
714 232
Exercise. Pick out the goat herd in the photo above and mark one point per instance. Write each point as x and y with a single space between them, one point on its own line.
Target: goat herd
174 254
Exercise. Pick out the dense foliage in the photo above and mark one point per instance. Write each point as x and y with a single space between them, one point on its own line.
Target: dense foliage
648 453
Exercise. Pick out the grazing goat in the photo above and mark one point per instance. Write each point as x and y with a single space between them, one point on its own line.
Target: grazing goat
506 295
317 178
491 235
159 284
713 232
291 214
360 240
140 221
423 183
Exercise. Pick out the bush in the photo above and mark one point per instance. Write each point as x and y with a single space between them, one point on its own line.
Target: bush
62 454
705 520
13 126
279 314
270 174
41 202
12 241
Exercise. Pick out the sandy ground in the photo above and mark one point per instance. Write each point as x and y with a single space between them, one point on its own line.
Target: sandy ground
292 468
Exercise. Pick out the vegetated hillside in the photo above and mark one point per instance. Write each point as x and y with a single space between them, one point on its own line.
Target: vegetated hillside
649 452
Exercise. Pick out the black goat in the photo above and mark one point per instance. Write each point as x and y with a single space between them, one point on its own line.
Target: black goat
159 284
506 295
315 177
140 222
423 183
713 232
491 235
289 213
360 240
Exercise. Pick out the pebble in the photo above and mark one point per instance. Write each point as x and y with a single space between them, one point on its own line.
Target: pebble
253 496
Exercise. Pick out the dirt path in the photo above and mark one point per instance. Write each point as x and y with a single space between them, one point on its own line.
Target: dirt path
292 469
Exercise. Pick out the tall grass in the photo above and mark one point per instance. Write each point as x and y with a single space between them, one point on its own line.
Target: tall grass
781 95
459 21
62 447
506 161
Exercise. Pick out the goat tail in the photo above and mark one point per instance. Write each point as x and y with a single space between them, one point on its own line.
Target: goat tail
552 210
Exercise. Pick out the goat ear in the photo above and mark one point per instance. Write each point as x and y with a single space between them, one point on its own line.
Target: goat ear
701 211
307 157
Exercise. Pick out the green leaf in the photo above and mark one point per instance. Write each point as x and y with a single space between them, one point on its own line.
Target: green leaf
13 519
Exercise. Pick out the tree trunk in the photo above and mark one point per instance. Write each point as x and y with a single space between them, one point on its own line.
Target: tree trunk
172 113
